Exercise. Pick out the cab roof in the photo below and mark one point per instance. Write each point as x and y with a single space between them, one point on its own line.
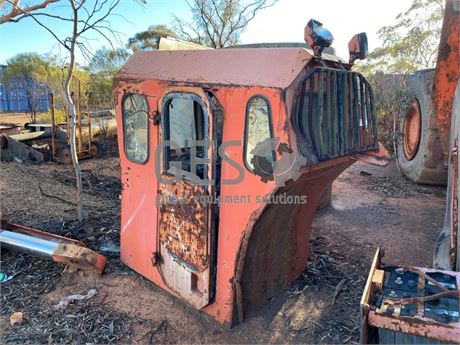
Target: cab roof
265 67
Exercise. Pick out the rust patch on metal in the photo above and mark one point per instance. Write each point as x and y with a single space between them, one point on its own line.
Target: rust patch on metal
274 248
184 223
454 204
239 66
79 258
387 313
447 73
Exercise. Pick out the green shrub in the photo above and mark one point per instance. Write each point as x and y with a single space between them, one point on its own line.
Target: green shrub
391 102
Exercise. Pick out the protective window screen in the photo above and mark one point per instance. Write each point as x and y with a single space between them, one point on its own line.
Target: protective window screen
258 131
135 127
336 114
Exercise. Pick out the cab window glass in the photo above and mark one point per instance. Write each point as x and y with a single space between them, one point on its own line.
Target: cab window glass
135 127
258 153
184 126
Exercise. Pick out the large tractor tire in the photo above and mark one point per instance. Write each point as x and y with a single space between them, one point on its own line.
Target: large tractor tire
447 249
64 155
420 155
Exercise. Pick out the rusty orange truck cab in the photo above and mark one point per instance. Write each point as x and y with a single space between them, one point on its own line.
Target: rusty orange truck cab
224 156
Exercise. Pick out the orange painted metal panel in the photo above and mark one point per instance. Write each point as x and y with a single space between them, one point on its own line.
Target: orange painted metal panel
240 236
244 67
447 71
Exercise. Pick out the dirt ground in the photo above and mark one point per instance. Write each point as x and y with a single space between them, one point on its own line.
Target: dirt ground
21 118
369 208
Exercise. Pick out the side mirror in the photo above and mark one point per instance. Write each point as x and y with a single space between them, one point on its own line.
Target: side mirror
357 47
317 37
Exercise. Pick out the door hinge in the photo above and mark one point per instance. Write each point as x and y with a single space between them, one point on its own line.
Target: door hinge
156 259
156 118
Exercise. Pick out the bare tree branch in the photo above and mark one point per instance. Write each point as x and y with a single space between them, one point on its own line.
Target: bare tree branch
42 14
62 42
16 9
85 16
218 23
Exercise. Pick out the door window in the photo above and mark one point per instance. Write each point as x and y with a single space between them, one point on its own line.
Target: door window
135 127
184 127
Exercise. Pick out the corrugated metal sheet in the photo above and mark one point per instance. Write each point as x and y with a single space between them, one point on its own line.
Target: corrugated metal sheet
266 67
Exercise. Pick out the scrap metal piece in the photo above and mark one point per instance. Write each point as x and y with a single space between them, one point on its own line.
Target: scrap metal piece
9 128
395 310
69 252
10 149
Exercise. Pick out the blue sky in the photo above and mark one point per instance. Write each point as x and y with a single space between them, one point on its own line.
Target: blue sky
283 22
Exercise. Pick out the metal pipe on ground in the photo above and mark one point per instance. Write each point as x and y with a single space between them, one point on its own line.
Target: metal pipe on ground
26 243
67 251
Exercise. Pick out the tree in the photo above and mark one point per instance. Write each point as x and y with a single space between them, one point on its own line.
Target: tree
11 9
149 39
29 70
411 43
215 23
102 67
219 23
56 79
83 16
107 61
392 99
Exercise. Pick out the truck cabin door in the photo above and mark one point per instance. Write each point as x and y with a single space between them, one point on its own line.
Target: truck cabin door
185 186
